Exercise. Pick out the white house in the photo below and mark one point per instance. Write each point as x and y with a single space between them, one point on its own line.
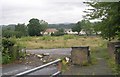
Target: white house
49 31
69 31
82 32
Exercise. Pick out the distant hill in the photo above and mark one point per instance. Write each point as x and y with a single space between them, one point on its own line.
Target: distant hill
9 27
57 26
61 25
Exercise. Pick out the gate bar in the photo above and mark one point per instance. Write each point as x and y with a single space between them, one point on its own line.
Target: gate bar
37 68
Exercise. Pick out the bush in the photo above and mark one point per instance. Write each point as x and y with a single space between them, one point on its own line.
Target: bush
7 43
8 33
5 59
57 34
68 37
19 34
46 38
11 51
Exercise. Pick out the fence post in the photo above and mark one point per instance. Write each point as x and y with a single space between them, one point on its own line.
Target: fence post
117 54
59 66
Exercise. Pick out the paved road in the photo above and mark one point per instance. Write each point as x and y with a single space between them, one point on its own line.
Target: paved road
59 51
21 68
17 68
13 69
101 68
45 71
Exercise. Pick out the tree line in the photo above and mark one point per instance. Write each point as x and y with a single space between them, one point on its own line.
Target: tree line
86 26
61 25
109 14
33 28
36 27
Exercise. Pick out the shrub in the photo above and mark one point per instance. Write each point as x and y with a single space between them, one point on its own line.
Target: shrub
47 38
60 32
57 34
8 33
11 51
7 43
26 38
19 34
68 37
5 59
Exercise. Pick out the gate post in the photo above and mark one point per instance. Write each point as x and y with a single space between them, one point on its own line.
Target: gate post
117 54
80 55
59 66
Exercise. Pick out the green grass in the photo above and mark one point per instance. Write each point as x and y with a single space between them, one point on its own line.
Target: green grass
97 44
112 64
65 41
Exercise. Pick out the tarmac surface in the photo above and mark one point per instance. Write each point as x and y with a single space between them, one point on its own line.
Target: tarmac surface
100 68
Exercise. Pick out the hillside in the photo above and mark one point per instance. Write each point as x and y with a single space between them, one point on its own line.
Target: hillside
61 25
8 27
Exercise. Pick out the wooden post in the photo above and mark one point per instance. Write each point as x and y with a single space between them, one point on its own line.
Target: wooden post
117 54
59 66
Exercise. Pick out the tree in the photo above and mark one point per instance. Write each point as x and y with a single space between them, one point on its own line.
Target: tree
44 25
77 27
109 13
21 30
63 25
8 31
35 27
87 27
60 32
96 27
18 30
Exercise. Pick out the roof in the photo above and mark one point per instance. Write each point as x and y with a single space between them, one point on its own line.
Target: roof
51 30
68 29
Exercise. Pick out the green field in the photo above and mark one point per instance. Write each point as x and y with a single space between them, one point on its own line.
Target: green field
98 46
65 41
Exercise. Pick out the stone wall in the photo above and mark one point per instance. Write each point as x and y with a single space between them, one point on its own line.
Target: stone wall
80 55
111 47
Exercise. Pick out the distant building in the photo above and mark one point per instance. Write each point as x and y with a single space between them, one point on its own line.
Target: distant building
49 31
69 31
82 32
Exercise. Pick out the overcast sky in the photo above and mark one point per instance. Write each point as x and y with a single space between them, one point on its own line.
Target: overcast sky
52 11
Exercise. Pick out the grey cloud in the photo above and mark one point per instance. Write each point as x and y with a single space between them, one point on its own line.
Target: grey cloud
53 11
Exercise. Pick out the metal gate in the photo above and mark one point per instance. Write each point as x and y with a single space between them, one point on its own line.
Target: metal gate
56 62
